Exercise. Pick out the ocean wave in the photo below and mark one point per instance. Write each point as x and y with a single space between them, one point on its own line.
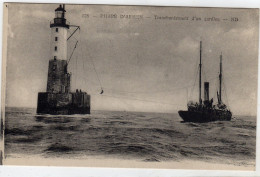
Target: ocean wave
58 148
150 137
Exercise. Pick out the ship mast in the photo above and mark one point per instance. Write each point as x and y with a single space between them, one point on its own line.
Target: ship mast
220 78
200 100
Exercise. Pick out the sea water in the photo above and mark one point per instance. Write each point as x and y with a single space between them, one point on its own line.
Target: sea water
147 137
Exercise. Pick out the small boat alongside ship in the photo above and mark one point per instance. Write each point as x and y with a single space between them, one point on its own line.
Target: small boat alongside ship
206 111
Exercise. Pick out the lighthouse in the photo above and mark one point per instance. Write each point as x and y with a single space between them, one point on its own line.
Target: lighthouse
58 76
58 98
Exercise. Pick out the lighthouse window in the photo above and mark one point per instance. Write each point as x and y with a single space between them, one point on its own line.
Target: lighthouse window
59 14
55 48
56 38
57 29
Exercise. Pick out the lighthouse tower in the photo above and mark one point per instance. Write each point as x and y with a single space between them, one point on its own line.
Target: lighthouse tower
59 30
58 77
58 98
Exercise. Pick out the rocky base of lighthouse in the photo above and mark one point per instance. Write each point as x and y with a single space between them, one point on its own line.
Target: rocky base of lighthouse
63 103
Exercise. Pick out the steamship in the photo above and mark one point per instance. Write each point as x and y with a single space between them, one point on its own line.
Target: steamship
205 111
58 98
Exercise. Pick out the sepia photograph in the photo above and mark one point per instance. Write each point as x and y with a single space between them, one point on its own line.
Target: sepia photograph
125 86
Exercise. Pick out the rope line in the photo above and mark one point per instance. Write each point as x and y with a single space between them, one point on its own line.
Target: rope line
96 71
194 82
137 99
83 62
215 92
225 91
203 72
153 92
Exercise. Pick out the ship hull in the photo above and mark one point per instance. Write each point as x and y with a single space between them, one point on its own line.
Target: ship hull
63 103
202 116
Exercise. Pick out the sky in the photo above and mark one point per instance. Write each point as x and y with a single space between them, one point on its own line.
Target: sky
144 64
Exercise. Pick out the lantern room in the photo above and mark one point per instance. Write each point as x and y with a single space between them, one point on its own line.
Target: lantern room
59 19
60 12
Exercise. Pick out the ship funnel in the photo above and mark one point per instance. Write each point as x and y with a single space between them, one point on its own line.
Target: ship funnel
206 91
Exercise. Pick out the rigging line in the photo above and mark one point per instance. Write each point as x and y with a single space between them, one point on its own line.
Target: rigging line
194 83
187 92
137 99
197 64
196 70
73 36
203 71
95 71
225 90
85 80
83 62
72 52
93 66
195 73
216 88
78 28
154 92
161 91
76 63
